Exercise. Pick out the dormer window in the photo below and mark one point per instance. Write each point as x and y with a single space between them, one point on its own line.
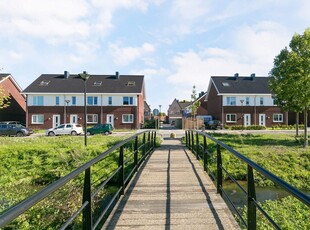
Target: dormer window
97 83
44 83
131 83
226 84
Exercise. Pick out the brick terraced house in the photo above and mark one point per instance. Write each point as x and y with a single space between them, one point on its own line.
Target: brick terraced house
243 101
17 109
53 99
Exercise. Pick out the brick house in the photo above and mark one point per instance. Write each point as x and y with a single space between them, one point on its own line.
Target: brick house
17 109
176 110
243 101
53 99
147 111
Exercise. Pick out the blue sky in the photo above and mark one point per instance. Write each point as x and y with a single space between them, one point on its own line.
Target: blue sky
175 43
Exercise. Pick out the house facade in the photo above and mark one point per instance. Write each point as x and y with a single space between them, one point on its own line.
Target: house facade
176 110
147 111
53 99
17 108
243 101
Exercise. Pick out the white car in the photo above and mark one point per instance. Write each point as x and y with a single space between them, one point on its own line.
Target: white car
65 129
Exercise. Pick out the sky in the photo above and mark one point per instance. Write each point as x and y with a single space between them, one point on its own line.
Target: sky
175 44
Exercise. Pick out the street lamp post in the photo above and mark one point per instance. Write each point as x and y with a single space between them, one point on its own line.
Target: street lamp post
242 112
85 76
67 102
159 116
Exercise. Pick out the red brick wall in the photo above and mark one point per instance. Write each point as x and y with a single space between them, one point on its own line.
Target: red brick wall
214 104
202 110
102 112
17 108
140 111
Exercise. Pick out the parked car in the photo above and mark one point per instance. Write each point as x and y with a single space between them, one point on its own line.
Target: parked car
100 128
13 130
65 129
16 123
214 124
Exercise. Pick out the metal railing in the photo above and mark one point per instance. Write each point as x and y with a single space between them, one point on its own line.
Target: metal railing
143 143
194 144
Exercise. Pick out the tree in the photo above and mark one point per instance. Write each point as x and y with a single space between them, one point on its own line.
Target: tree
290 78
4 99
195 103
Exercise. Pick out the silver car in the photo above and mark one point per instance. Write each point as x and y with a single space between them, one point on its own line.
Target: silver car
65 129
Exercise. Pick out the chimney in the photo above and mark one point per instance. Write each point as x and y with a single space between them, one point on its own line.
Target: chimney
116 75
66 74
236 76
201 93
253 76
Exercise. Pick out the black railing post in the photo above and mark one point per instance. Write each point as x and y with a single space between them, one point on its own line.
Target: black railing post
251 197
219 170
144 145
193 141
136 153
186 138
197 146
149 142
154 139
205 157
189 139
121 171
87 213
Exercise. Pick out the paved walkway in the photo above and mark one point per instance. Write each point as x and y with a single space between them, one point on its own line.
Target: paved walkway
171 192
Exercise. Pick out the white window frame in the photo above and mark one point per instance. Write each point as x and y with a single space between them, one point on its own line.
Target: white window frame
130 118
38 100
229 118
35 119
231 100
94 119
261 101
57 100
277 117
130 100
92 100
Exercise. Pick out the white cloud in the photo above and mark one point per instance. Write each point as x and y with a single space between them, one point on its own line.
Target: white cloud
126 55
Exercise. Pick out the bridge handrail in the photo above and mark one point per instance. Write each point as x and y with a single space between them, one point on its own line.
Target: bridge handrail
18 209
192 142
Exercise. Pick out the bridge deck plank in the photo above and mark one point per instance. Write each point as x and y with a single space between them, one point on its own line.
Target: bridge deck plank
171 192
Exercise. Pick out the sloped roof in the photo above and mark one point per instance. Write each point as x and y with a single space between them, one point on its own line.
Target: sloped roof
57 83
3 75
241 85
184 104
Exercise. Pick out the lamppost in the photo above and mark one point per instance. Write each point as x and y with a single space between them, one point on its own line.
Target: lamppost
67 102
159 116
242 112
85 77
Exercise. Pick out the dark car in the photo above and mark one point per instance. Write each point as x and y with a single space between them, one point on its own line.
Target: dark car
13 130
214 124
16 123
100 129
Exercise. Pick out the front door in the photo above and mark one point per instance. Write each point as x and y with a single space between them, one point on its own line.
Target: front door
262 119
110 119
56 120
247 119
74 118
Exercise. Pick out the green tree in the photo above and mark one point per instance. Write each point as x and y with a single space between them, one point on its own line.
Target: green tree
290 78
195 104
4 99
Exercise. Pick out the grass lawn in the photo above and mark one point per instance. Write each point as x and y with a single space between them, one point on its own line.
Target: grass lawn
281 154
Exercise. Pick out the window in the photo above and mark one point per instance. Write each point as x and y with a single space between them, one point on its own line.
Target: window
57 100
44 83
226 84
110 101
37 119
231 100
261 101
97 83
127 118
247 101
37 100
73 100
278 117
92 118
92 100
131 83
231 117
127 100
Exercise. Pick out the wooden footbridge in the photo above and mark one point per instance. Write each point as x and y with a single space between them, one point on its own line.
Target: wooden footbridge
171 192
153 188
